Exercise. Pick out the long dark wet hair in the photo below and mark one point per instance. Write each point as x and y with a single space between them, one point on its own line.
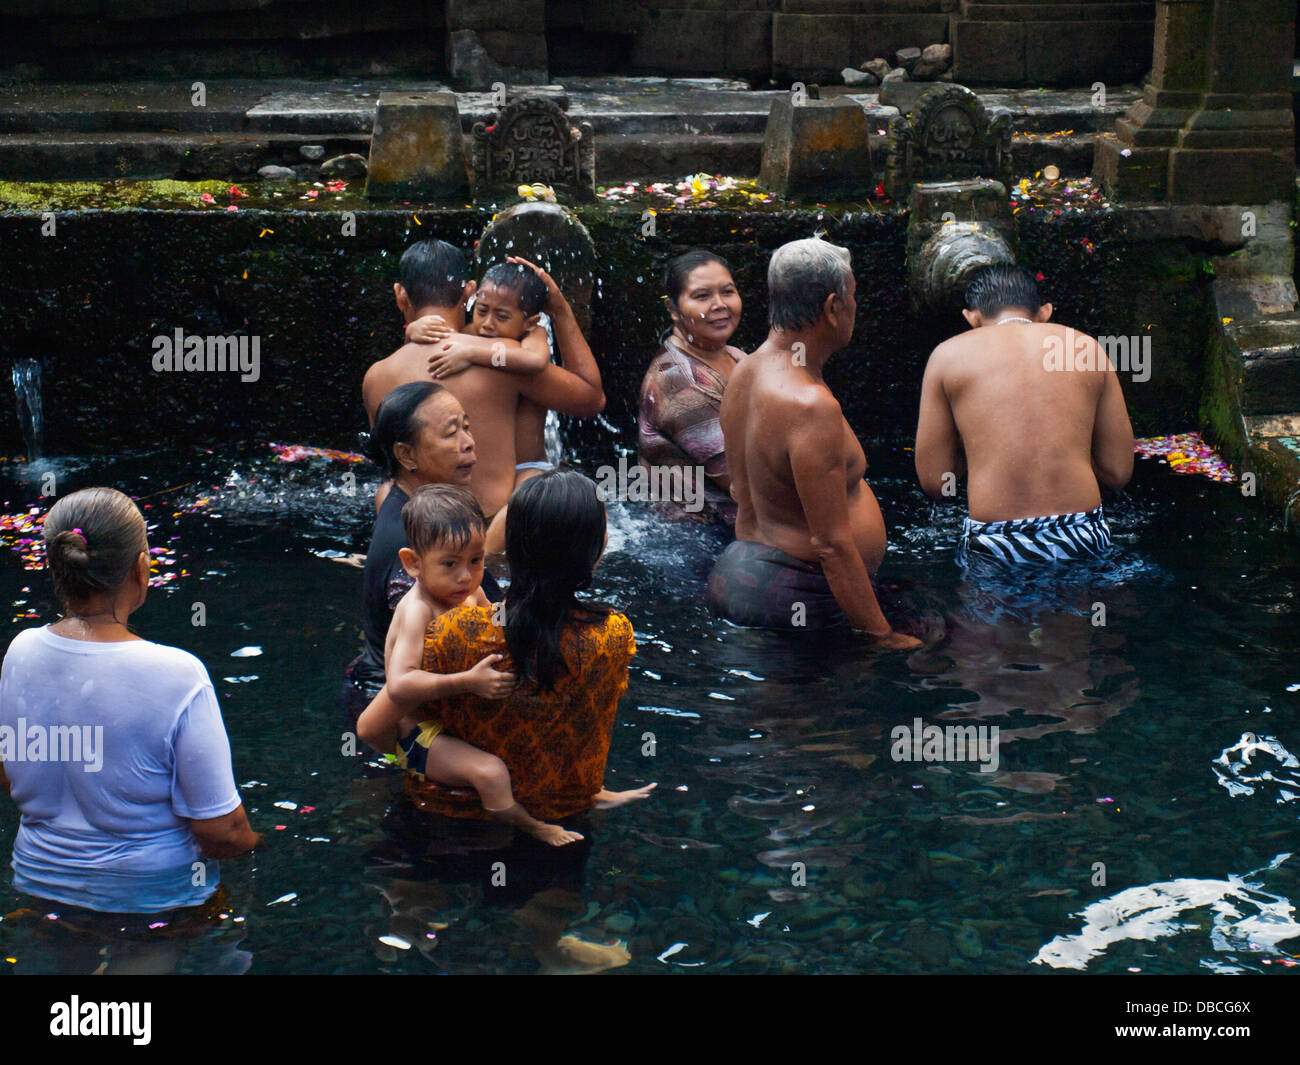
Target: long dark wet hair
555 533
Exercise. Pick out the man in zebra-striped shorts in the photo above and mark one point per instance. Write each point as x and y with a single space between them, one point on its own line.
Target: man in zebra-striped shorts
1036 441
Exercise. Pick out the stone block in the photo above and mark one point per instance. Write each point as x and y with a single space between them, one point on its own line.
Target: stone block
1079 53
1140 175
514 50
811 47
473 61
517 15
816 150
749 43
1230 175
417 150
988 53
680 42
902 93
610 16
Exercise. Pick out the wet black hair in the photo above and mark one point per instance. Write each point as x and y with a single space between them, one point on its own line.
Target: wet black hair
396 422
441 514
523 281
555 532
998 286
434 273
678 270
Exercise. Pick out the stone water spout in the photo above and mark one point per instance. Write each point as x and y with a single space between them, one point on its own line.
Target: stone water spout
952 160
550 236
955 228
553 238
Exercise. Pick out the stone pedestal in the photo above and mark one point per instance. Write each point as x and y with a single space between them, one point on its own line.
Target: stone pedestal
417 151
1214 124
816 149
491 41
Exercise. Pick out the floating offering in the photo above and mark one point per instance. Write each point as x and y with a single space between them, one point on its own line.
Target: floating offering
21 533
298 452
1185 453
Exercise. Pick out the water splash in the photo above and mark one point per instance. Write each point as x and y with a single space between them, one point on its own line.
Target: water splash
31 414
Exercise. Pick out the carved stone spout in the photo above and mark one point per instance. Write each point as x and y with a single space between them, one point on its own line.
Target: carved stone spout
945 263
552 237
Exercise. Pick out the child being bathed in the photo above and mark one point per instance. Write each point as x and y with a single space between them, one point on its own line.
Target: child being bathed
507 309
444 554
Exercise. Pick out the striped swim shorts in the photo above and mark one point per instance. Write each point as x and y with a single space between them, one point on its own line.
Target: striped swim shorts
1058 538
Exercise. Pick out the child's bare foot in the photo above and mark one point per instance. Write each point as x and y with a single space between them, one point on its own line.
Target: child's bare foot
555 835
606 800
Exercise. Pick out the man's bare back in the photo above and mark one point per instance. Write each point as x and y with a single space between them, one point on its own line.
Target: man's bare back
1035 441
767 410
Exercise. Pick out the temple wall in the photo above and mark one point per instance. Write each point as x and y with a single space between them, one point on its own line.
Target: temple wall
1011 42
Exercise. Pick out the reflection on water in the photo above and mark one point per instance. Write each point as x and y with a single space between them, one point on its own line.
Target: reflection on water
783 836
1245 921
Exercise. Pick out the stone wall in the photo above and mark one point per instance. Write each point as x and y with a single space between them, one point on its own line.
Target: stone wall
89 301
996 42
78 40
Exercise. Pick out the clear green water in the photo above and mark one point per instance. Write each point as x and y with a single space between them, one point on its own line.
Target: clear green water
769 751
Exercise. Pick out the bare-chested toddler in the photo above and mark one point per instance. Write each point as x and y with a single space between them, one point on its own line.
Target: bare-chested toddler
445 530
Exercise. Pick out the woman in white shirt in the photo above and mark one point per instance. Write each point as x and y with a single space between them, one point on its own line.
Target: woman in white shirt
113 746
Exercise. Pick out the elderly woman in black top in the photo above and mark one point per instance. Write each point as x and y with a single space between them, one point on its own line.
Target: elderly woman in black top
421 436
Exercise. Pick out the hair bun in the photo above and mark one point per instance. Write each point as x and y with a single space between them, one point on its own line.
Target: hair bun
72 541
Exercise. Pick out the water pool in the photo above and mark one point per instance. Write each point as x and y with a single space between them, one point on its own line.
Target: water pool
783 836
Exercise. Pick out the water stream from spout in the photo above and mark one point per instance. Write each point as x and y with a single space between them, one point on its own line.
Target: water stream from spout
31 414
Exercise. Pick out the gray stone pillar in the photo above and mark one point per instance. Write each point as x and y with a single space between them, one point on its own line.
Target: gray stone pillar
1214 124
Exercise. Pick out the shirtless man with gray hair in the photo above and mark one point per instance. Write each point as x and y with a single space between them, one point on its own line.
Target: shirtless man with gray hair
809 531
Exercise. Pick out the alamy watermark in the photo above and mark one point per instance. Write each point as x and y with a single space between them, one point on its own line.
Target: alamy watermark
1076 351
951 743
651 484
194 354
24 742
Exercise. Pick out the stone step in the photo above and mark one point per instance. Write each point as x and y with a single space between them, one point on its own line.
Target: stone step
669 157
153 156
619 157
1270 359
1056 12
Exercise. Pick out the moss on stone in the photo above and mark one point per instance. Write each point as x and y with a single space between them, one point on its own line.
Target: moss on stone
171 195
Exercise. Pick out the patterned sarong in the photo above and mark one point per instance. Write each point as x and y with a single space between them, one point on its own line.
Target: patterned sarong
1059 538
